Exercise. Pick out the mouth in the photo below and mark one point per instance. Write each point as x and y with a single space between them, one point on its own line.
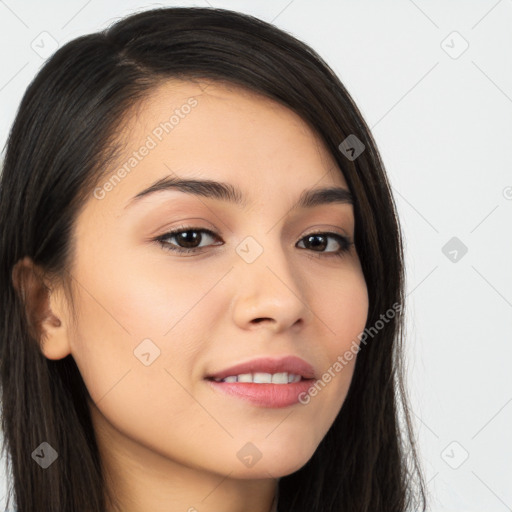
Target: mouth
266 382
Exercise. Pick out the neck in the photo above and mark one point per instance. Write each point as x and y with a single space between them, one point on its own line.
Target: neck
138 479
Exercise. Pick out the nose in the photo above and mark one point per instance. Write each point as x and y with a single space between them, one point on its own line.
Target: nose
269 293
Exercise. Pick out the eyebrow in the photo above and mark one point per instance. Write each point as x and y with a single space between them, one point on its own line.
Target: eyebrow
231 194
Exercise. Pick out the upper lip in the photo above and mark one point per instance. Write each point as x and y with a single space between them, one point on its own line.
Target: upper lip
288 364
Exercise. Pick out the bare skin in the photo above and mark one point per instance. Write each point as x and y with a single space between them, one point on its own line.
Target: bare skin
168 441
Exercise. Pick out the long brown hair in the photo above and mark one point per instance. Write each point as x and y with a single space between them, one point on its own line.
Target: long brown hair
59 146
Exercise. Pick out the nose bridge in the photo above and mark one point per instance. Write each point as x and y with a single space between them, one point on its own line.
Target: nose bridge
268 286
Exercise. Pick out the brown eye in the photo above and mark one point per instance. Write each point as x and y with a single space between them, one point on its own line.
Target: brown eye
187 239
319 242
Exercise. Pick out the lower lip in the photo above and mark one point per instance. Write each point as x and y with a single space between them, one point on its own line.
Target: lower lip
265 395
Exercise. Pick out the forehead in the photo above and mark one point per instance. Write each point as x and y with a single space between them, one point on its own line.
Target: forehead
224 132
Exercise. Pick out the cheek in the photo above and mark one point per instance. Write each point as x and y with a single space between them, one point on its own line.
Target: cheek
342 307
131 313
132 371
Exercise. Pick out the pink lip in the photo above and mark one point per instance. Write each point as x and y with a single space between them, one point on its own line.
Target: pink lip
265 395
288 364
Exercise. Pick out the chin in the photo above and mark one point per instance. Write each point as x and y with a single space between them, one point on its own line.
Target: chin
269 469
276 457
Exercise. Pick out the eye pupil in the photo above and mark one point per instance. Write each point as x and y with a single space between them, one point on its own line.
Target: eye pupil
322 244
185 238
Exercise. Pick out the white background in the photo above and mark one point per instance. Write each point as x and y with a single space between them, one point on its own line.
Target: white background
443 123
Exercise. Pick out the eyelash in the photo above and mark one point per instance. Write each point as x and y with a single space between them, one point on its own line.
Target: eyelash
343 241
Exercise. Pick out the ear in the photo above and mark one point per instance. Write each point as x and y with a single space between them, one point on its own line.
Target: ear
45 309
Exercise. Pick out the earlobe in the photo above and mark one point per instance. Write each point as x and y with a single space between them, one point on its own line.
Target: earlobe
44 309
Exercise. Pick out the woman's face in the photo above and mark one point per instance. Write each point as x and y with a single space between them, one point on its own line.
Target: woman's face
154 323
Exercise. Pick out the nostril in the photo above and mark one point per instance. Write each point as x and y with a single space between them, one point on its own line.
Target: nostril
259 320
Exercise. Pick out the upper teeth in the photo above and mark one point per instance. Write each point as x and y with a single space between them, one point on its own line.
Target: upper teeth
262 378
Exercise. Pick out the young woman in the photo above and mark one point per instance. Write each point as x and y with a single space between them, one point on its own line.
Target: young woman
202 280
